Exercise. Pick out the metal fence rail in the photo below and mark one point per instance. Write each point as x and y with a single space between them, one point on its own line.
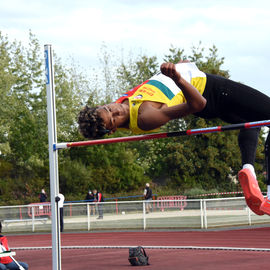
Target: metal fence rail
130 215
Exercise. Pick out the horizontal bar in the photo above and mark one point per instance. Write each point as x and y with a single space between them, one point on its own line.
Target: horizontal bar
164 135
118 139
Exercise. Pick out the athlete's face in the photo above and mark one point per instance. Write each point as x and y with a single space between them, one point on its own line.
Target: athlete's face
114 115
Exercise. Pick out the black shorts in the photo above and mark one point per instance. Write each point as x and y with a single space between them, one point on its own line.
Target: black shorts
233 102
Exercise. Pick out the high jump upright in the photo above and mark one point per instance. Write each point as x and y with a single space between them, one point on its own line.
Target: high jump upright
53 158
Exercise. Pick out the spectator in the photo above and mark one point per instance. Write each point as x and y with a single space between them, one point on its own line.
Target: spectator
7 262
98 199
148 197
90 198
61 209
43 196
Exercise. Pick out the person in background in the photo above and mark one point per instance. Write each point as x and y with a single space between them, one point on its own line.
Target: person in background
61 210
42 196
7 262
90 198
148 197
98 199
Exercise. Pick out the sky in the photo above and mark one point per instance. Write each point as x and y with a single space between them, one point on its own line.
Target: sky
78 29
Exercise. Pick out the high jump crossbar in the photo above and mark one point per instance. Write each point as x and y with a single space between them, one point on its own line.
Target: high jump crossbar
198 131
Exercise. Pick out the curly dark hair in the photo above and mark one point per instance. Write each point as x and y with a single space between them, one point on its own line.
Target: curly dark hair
91 125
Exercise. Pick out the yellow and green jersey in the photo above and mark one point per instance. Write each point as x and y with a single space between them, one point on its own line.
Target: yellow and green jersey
162 89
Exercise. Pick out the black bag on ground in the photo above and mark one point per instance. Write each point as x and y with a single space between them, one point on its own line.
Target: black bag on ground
137 256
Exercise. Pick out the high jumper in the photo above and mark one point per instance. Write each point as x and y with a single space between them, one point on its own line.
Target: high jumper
177 91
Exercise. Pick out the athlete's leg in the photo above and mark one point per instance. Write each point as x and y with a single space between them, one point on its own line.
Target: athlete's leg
244 102
237 103
241 103
248 139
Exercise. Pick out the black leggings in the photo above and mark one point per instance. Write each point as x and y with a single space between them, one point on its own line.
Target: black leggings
234 103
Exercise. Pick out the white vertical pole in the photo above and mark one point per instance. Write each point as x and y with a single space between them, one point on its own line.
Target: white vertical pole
33 219
202 211
249 216
144 216
205 214
88 216
53 158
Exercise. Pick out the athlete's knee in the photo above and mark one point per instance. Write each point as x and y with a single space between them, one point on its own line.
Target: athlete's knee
249 135
248 140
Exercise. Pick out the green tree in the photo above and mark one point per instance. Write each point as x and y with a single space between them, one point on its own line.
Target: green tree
135 72
6 82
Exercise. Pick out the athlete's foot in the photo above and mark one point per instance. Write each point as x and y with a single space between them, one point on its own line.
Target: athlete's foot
265 206
252 192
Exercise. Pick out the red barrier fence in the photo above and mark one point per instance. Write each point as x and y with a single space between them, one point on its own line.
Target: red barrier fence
171 202
40 209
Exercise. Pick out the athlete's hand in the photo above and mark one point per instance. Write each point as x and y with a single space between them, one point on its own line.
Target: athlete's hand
169 70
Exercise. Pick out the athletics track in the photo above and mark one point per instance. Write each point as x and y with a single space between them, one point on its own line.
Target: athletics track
160 259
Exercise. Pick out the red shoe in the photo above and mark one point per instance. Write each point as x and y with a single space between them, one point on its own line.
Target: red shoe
252 192
265 206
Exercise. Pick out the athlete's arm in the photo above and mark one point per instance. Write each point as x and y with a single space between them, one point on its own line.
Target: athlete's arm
152 117
195 101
